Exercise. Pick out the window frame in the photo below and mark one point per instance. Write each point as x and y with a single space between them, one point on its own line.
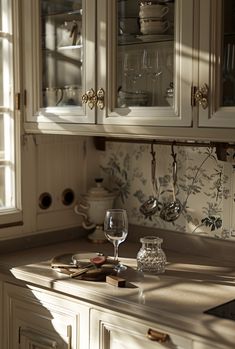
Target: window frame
12 217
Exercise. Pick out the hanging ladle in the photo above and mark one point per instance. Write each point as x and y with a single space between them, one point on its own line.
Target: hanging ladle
172 210
150 207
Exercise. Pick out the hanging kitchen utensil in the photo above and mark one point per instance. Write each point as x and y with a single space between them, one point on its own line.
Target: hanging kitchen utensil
172 210
150 207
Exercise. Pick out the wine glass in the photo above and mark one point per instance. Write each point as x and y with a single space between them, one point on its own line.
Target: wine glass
116 230
151 63
152 69
131 68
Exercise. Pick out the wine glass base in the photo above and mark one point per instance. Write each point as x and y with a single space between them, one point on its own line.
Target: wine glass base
120 267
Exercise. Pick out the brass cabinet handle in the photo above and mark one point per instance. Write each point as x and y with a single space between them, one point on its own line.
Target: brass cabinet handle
201 96
90 98
157 336
94 99
100 98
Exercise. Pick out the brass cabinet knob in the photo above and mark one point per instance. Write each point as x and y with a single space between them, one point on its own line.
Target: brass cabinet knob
201 96
94 99
100 98
90 98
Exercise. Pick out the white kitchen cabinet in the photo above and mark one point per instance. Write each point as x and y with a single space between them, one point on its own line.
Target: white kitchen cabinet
35 318
173 84
117 331
98 59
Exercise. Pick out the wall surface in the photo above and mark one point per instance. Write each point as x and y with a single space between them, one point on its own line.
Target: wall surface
205 186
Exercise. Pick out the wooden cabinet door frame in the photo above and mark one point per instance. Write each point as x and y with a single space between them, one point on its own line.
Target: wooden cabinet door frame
210 49
32 69
181 113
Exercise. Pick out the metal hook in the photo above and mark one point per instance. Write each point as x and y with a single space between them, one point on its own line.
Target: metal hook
153 153
174 164
173 154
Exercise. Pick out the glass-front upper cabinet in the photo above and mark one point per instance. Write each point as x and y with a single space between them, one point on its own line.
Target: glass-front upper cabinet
145 62
59 59
108 62
217 63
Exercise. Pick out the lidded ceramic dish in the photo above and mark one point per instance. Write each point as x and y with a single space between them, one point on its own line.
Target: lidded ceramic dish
93 207
153 11
98 200
153 26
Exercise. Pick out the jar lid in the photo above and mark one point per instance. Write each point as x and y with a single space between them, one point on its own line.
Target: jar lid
151 240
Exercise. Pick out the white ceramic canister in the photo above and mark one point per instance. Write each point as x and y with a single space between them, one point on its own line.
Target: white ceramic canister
99 200
94 204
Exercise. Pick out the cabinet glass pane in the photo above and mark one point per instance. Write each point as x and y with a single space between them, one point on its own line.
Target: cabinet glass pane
228 57
62 52
145 64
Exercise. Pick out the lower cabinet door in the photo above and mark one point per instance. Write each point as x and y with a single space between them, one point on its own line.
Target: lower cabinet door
32 338
114 331
36 319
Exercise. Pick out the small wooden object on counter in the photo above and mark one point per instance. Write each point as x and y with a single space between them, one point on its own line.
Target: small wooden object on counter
116 281
157 336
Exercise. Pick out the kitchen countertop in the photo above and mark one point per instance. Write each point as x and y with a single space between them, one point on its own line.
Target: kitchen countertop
177 298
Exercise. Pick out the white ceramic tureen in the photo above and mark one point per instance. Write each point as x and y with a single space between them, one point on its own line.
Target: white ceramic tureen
92 207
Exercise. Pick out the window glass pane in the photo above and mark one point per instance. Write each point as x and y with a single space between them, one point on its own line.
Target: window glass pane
7 155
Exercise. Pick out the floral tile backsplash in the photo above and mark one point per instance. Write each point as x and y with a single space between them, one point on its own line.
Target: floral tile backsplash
204 186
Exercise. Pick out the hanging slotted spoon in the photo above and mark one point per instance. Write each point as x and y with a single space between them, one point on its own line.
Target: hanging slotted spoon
150 207
172 210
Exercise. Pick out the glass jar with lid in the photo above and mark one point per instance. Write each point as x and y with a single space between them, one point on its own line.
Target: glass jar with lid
151 258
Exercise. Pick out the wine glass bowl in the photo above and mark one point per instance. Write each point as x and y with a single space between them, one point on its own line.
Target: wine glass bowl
116 230
131 68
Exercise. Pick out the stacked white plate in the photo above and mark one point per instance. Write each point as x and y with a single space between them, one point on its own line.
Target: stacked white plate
153 18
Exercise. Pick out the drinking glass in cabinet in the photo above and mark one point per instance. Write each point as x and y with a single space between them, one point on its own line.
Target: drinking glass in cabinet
145 53
52 96
62 52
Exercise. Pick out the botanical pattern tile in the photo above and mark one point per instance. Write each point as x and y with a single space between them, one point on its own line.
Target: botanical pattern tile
203 186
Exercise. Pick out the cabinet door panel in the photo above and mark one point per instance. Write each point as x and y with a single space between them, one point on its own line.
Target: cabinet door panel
31 339
109 331
149 77
59 60
217 62
41 320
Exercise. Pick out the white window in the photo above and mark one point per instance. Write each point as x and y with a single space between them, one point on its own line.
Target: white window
10 203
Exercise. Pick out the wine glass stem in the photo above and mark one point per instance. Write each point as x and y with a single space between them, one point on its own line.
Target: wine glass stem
115 252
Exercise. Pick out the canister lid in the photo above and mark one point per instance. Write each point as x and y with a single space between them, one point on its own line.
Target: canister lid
99 191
